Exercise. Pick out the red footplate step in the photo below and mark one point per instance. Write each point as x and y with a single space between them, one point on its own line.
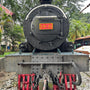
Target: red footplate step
26 82
68 85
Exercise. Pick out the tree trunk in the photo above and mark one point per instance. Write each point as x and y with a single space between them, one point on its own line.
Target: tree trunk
13 45
6 44
13 49
0 46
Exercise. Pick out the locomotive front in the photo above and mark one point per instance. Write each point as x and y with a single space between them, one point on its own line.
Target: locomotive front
46 26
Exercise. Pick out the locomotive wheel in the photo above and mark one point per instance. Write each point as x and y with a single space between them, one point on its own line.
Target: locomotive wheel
25 47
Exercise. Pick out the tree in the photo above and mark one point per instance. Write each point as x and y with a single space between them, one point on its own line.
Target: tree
85 18
4 18
78 29
13 32
0 26
0 33
70 7
21 7
88 30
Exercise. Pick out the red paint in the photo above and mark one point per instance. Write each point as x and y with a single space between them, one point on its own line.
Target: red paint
55 87
7 11
46 26
72 77
25 83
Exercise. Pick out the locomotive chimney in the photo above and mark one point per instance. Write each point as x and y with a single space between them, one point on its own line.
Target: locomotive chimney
45 1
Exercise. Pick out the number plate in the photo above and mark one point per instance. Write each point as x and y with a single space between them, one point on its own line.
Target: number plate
46 26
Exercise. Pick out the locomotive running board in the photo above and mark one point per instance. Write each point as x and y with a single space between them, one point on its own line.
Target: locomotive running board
52 61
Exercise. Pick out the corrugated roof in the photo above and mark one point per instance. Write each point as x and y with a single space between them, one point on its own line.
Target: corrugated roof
6 10
83 49
86 37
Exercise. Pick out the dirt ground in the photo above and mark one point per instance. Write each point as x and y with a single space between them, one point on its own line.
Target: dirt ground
5 76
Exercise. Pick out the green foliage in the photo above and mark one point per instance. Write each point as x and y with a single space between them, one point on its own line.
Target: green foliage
1 52
22 7
4 19
18 34
85 17
0 9
78 29
88 29
11 30
70 7
0 34
79 22
7 53
14 32
0 23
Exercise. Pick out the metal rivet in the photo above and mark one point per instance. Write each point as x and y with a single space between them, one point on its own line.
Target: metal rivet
37 68
47 57
52 57
57 57
32 68
41 57
37 57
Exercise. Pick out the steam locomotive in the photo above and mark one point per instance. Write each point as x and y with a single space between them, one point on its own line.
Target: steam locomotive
46 28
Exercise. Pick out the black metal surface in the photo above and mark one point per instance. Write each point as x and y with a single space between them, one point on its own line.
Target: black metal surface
46 39
25 47
78 74
56 80
44 63
45 1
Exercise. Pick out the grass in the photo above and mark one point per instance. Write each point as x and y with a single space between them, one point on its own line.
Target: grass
6 53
